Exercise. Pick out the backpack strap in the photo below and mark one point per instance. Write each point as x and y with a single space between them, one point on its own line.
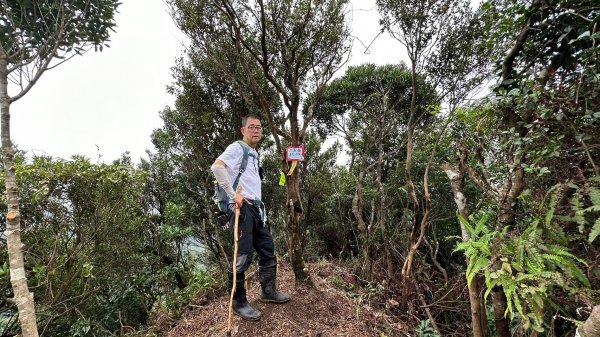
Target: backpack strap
243 165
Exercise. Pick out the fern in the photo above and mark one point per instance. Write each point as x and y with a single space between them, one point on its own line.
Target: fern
530 267
582 216
595 231
594 194
474 268
577 204
465 223
425 330
594 197
477 250
534 261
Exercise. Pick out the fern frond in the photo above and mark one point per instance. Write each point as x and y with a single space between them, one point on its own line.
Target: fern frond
523 277
463 246
534 255
532 266
472 270
595 231
593 208
550 214
520 258
528 232
471 262
548 275
483 247
595 195
510 292
555 258
562 251
465 223
577 204
481 226
558 250
517 266
567 218
578 274
518 304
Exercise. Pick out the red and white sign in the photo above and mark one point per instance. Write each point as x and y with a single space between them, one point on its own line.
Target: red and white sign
294 153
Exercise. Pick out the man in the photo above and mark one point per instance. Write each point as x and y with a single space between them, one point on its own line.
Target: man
253 233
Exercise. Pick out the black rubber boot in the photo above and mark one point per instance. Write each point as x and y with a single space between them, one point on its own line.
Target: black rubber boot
241 307
269 293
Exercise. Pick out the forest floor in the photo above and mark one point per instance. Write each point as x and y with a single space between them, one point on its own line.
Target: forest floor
323 310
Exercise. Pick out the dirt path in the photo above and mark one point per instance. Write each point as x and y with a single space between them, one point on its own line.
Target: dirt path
319 311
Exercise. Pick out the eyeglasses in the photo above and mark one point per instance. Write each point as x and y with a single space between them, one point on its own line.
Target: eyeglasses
254 127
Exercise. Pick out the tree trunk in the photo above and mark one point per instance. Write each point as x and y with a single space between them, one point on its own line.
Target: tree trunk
591 327
363 229
410 188
499 304
383 201
456 176
18 279
478 314
506 217
295 231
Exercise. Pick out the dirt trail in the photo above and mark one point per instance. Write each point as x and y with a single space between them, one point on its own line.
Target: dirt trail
321 311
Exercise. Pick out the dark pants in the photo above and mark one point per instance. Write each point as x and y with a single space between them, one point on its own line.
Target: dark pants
253 235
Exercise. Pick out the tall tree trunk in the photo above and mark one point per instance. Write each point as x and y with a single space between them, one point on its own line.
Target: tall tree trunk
410 187
23 297
456 176
514 186
383 201
363 228
506 217
295 231
499 305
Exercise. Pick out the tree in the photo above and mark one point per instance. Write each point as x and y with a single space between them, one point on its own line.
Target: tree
430 31
442 42
544 65
37 36
369 107
291 47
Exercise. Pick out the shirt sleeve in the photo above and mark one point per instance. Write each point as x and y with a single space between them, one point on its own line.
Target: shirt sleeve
232 156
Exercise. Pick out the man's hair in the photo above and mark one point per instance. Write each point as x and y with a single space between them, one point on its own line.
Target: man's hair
245 119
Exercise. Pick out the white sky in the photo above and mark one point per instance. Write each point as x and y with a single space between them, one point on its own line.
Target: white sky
108 103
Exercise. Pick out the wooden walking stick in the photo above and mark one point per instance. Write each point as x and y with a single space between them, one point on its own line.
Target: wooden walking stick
234 265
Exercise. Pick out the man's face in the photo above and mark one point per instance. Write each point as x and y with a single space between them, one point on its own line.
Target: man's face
252 132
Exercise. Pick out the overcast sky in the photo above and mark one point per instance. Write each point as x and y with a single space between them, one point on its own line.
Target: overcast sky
103 104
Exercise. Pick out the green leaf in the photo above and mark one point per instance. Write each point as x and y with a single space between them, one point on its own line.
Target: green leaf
39 269
475 268
518 304
86 271
554 258
595 231
595 192
595 208
4 269
466 224
584 34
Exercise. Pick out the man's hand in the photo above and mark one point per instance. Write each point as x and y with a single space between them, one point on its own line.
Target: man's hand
239 199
